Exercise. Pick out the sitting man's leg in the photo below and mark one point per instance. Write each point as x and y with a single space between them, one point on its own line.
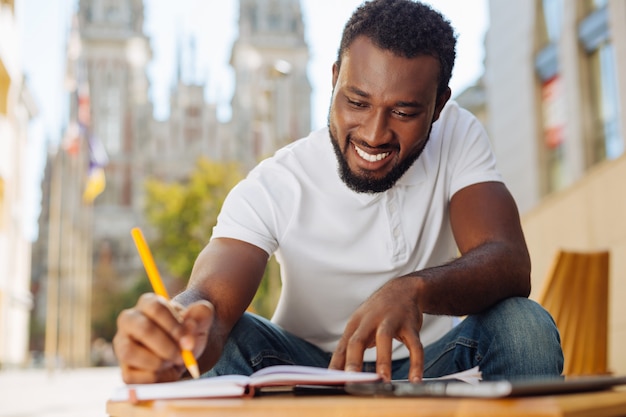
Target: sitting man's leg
255 343
516 338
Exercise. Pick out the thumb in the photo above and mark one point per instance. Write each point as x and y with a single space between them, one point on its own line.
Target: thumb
197 319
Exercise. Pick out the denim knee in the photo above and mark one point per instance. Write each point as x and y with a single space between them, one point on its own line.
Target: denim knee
235 358
522 332
255 343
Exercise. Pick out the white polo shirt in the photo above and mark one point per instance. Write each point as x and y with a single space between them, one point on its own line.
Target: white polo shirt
335 246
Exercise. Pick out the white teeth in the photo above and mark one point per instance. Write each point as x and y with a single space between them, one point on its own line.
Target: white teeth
369 157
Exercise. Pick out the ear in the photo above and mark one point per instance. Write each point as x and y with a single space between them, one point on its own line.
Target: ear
335 73
442 99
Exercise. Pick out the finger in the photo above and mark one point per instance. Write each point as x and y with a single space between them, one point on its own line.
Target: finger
338 360
132 375
416 358
165 314
140 365
138 330
354 352
383 351
162 312
132 354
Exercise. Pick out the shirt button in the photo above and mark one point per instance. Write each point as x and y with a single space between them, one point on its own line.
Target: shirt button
396 232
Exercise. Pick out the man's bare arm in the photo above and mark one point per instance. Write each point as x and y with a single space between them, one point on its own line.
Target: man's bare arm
227 273
494 262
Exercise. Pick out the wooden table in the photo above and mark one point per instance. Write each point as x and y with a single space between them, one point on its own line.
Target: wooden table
595 404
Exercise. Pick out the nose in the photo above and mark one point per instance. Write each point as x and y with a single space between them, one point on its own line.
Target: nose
375 129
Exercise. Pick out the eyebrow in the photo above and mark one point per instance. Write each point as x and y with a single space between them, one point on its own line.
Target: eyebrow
361 93
408 104
358 92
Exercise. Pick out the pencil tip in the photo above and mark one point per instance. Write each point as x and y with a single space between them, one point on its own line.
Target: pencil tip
194 371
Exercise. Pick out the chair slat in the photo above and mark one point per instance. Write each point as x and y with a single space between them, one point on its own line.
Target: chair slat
576 294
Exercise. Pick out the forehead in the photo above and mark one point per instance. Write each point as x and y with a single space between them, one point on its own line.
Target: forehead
376 71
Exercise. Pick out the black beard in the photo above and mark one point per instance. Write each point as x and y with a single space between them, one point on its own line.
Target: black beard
367 184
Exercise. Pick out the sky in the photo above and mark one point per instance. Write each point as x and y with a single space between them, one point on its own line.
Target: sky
43 26
210 21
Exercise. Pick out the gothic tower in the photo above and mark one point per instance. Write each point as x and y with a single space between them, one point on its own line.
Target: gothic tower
192 130
271 104
116 53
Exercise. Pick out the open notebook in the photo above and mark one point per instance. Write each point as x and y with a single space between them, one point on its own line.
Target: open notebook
487 389
240 385
299 380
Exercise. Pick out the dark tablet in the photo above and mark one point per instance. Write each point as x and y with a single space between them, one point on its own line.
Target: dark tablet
486 389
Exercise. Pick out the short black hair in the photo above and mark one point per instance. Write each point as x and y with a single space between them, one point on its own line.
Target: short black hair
408 29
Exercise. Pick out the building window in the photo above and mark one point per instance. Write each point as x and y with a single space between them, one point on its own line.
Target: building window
550 15
553 17
192 112
274 17
609 143
605 141
111 118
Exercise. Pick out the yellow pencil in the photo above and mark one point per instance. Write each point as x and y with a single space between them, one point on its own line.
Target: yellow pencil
159 289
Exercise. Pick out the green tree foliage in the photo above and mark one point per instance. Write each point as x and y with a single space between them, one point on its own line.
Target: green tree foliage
184 213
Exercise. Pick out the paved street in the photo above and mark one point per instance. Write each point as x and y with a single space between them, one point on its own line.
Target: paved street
61 393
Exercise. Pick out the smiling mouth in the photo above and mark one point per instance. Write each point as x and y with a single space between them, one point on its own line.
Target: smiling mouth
371 157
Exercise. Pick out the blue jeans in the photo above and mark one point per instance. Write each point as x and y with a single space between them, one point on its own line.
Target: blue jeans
515 338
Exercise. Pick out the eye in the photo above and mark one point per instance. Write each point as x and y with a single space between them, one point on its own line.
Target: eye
402 114
357 104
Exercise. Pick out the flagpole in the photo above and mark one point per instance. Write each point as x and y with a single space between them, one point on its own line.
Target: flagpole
54 238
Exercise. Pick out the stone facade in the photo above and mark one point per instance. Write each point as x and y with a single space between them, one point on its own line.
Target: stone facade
271 107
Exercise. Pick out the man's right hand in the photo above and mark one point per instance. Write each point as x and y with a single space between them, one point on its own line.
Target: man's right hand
150 337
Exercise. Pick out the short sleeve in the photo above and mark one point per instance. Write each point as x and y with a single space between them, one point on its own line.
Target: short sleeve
247 215
470 157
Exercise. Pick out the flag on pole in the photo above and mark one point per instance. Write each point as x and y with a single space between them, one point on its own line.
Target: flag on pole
73 74
71 139
79 130
96 183
96 180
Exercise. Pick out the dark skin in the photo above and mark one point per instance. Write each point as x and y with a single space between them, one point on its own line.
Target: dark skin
386 105
149 336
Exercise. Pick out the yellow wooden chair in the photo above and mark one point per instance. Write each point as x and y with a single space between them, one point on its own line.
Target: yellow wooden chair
576 294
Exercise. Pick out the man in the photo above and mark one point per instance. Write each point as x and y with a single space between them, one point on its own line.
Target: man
367 219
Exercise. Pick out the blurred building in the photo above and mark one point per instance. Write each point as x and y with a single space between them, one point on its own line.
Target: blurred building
192 129
555 84
109 117
271 104
116 53
16 110
556 91
85 252
62 258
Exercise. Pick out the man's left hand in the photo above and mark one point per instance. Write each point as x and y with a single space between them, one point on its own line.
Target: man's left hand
390 313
